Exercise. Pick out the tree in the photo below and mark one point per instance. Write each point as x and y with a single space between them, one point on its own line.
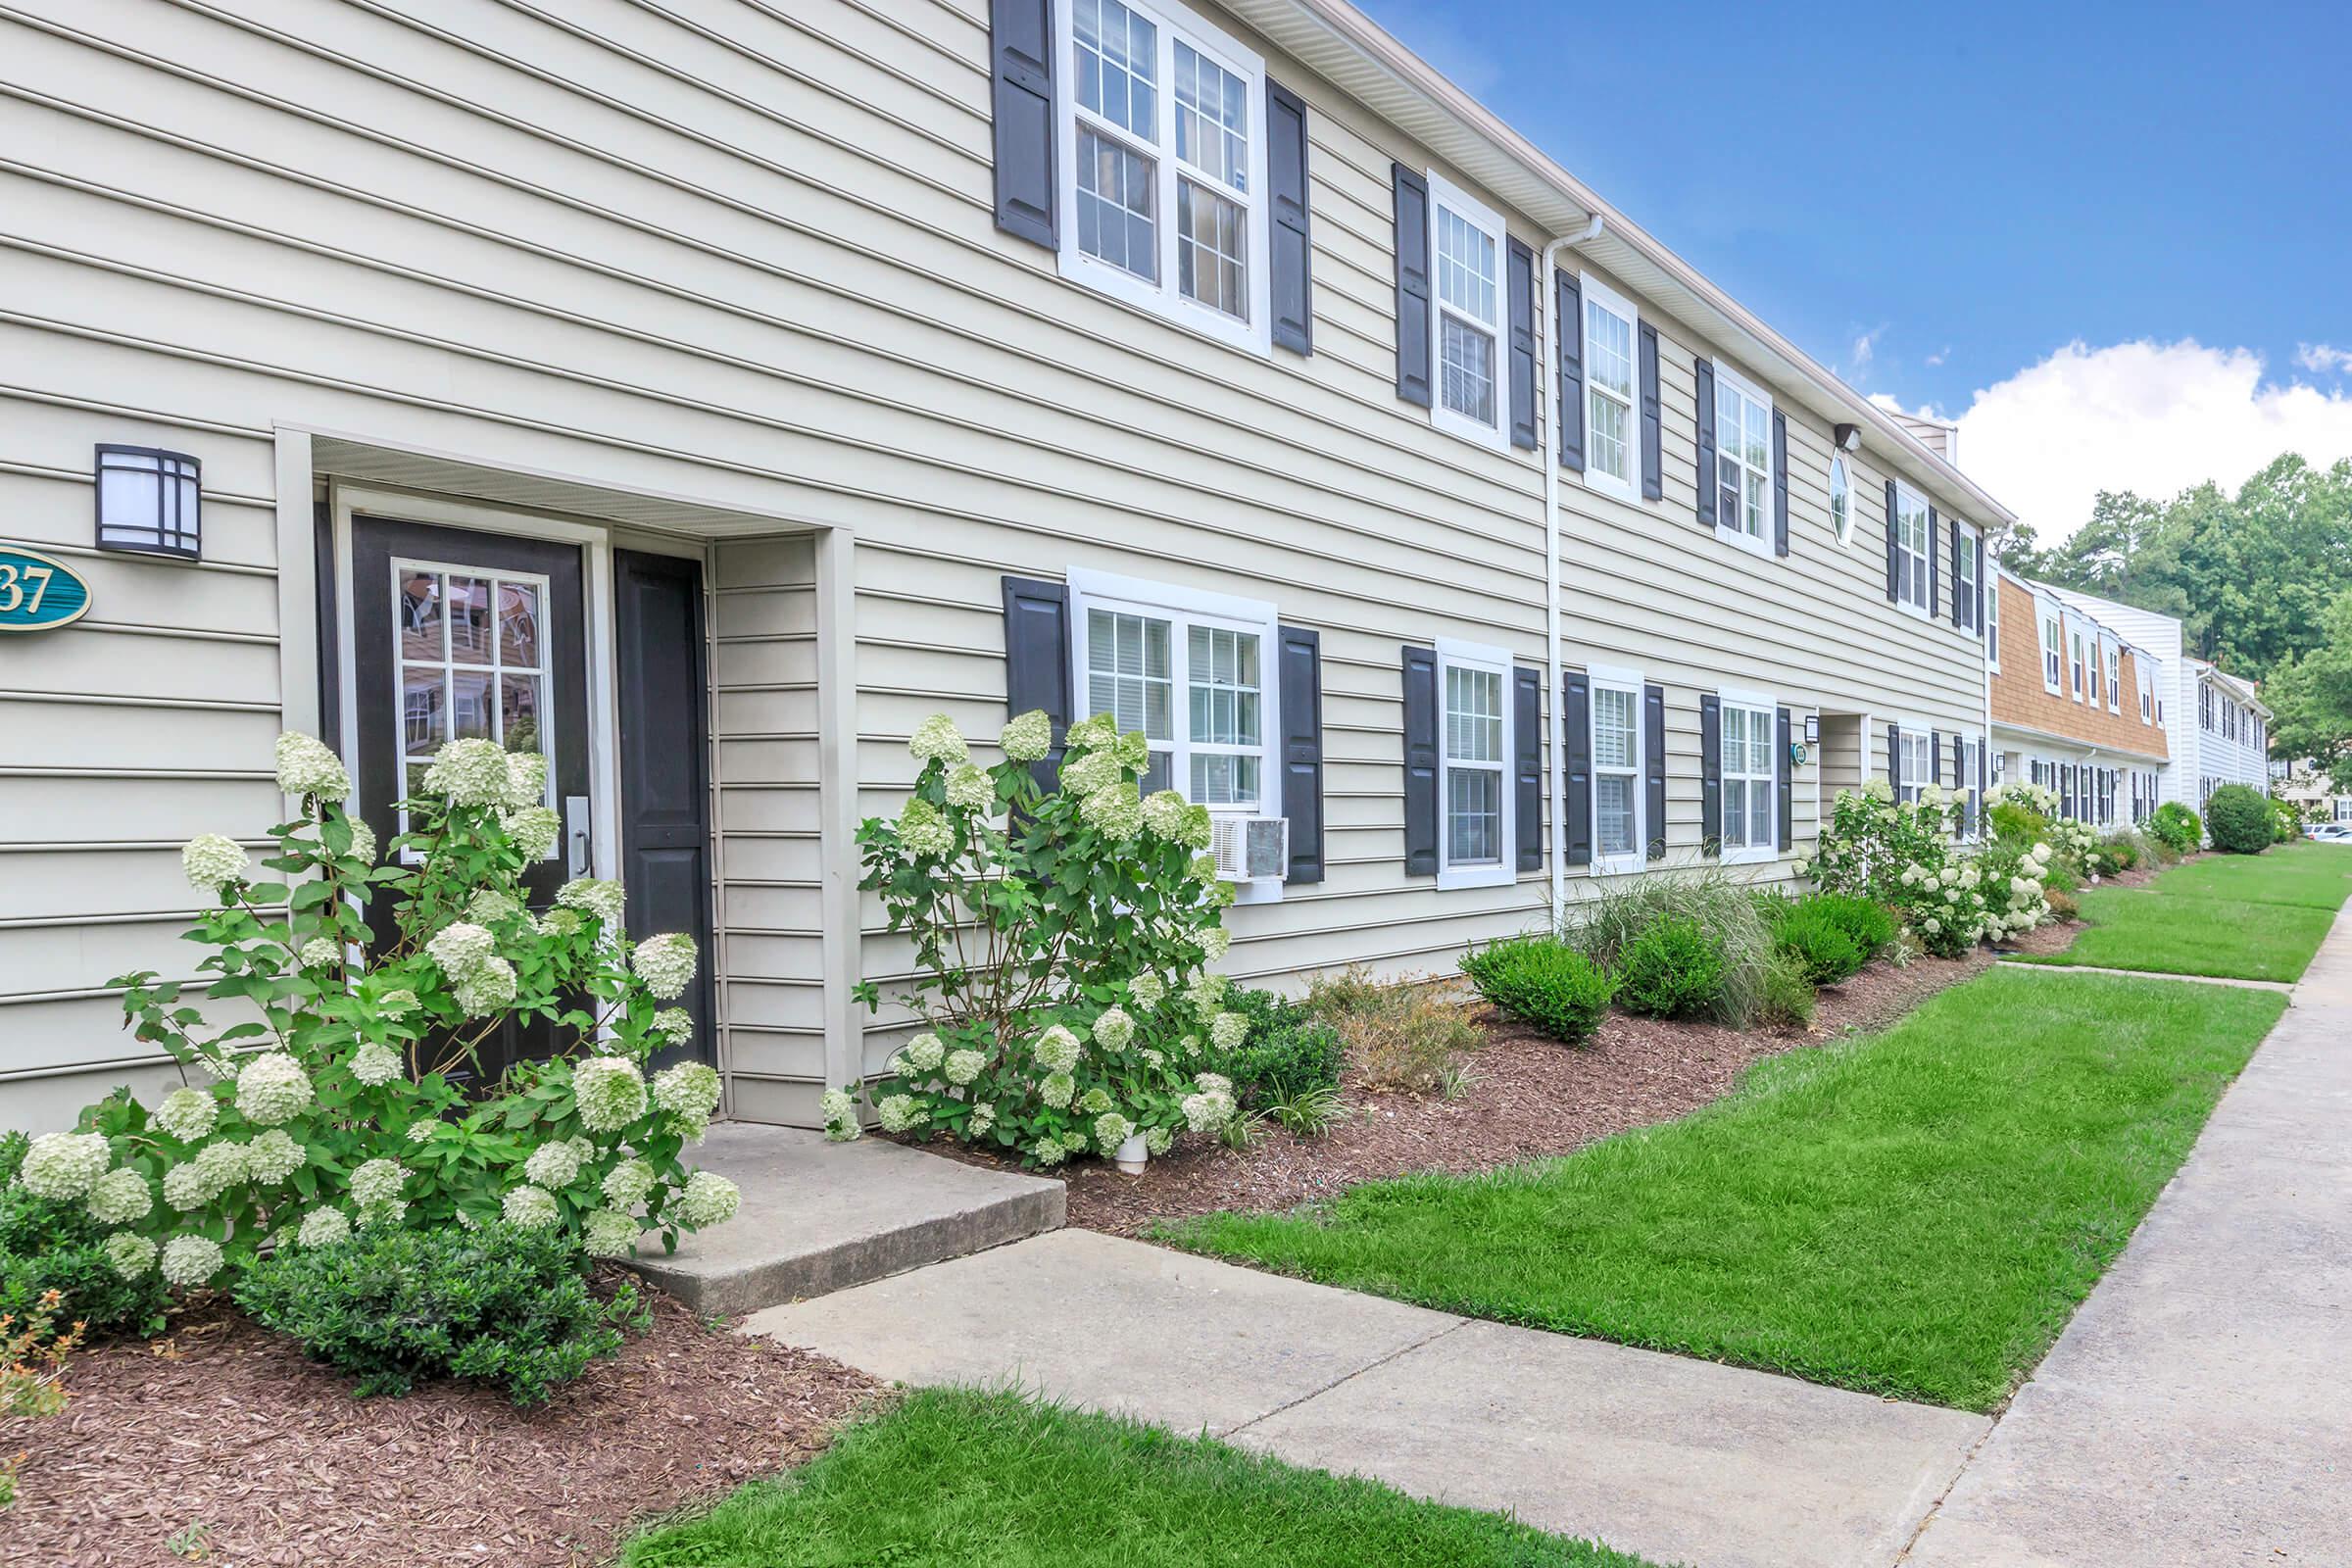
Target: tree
2311 700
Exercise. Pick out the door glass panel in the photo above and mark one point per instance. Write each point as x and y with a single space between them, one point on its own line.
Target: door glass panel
470 706
519 625
424 715
469 641
471 662
416 606
518 713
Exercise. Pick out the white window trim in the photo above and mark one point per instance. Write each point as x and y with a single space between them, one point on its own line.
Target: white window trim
1920 730
1162 298
1505 871
1969 775
1615 678
1752 853
1909 607
1444 192
2111 661
1838 465
2078 651
1597 293
1993 616
1967 531
2046 614
1760 543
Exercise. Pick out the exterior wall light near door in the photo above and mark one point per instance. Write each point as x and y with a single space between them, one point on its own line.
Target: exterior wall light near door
1812 729
148 502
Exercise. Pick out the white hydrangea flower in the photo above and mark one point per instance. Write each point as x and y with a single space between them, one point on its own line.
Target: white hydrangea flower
962 1066
1878 788
530 1209
273 1156
64 1166
121 1197
1227 1031
1115 1029
1057 1050
608 1233
937 739
1048 1151
376 1063
460 948
629 1184
190 1260
689 1090
666 963
922 830
1158 1140
1215 943
900 1113
130 1253
984 1116
1801 865
377 1181
1111 1130
1057 1089
362 841
1931 925
1090 733
533 830
609 1092
320 952
1205 992
673 1024
840 1110
710 1198
305 766
1148 990
597 896
924 1053
213 862
1206 1113
1164 811
470 772
1116 813
397 1004
971 790
1027 737
1095 1101
526 780
187 1115
489 906
324 1227
557 1165
482 991
272 1088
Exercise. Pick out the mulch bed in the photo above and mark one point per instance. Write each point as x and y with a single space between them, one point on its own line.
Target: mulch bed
225 1426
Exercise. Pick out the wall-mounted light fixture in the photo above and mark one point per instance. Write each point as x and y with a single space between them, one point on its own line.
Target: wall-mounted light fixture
1849 438
149 502
1812 729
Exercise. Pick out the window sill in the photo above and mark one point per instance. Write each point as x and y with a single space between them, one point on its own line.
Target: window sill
1101 277
1916 610
1264 890
1754 854
1601 483
1615 865
1476 876
1754 543
1491 436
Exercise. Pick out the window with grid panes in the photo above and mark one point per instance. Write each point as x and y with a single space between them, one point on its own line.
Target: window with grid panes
1748 778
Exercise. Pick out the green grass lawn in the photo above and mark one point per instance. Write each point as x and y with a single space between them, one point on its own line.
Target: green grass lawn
2248 918
1914 1214
993 1481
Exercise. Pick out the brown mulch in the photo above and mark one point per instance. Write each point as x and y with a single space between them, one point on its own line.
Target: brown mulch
1528 1097
224 1427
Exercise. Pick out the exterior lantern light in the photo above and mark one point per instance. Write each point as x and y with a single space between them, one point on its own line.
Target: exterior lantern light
1812 729
149 502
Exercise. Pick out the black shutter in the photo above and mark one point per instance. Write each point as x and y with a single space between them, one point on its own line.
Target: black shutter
1959 605
1653 772
1653 423
1934 540
1780 483
1894 545
1568 304
1020 41
1786 785
1037 661
1412 288
1710 773
1302 750
1527 739
1420 761
1982 588
1894 759
1293 259
1935 758
1707 443
1523 346
1576 724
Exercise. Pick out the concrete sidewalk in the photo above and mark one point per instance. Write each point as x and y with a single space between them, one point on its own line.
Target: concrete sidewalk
1681 1461
2199 1407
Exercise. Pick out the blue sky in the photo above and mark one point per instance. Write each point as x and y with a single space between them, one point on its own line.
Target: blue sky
1970 187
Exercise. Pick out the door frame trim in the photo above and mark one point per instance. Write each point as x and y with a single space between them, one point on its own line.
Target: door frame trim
346 500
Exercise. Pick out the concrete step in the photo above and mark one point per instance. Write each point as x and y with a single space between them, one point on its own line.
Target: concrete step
818 1217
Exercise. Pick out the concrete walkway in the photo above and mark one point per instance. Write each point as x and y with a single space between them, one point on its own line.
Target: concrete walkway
2286 986
1681 1461
2199 1407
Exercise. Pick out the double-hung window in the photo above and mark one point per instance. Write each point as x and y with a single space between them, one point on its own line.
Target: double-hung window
1750 824
1620 836
2053 653
1964 576
1473 394
1993 623
1916 752
2077 663
1474 796
1842 499
2114 655
1743 461
1611 326
1193 673
2147 690
1913 540
1164 166
1972 758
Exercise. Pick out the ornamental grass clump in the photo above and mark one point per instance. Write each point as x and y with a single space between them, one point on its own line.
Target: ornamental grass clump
1406 1035
1543 982
1703 896
1062 938
350 1096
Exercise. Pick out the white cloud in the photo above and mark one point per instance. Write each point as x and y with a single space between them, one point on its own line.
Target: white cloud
2155 418
1864 348
1941 355
2322 358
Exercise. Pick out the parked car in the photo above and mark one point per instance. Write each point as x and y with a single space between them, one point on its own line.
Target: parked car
2329 832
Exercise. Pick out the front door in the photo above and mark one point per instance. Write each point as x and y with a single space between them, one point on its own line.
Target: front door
455 635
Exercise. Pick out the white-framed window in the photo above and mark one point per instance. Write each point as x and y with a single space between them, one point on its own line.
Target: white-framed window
1743 461
1964 572
2113 653
1842 499
1193 671
1750 775
1972 758
1913 541
1466 328
1992 620
1164 165
470 662
1612 432
1915 749
2078 663
1620 836
2053 648
1476 845
2147 690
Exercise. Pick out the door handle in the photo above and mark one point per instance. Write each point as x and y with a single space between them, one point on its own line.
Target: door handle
577 836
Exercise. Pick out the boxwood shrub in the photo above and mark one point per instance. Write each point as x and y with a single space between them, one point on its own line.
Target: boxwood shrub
1818 944
1542 981
2239 820
1672 968
1289 1051
1867 923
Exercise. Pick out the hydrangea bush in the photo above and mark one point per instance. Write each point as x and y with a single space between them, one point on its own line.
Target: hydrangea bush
333 1108
1949 897
1061 942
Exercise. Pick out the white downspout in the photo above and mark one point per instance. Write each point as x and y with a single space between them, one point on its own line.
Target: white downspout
1551 460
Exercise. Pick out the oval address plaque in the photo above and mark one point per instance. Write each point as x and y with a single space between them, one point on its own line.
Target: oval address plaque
37 593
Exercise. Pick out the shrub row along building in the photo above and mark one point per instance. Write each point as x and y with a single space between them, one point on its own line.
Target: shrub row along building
703 397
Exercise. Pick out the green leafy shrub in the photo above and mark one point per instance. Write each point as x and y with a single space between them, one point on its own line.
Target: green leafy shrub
1901 855
1542 981
2287 823
1865 921
1707 896
2239 820
49 1246
1290 1053
2118 853
1405 1034
1673 969
1788 998
2177 826
1816 945
499 1305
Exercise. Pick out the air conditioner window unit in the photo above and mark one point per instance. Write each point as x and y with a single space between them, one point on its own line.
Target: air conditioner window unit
1252 848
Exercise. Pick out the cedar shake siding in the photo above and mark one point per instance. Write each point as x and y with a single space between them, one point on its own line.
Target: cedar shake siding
2020 701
